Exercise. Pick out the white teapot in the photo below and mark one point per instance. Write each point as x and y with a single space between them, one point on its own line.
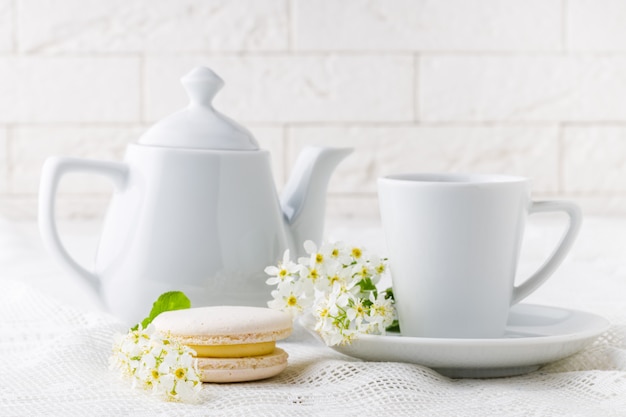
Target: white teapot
194 209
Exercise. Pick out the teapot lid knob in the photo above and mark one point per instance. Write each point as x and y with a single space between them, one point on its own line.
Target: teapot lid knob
199 125
201 85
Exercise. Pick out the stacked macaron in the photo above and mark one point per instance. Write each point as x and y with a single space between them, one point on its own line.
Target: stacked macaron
232 343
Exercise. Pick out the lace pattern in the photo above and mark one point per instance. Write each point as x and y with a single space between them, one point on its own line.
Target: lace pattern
55 362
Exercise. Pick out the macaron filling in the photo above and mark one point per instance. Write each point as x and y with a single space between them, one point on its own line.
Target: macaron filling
234 351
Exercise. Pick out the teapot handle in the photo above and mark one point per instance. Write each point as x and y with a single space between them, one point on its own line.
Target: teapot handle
53 170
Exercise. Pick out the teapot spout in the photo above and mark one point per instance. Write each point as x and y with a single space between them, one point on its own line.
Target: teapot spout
303 199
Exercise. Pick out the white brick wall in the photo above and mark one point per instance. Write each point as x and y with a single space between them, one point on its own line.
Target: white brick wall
284 88
6 26
386 149
594 160
140 26
43 89
4 166
31 145
596 25
529 87
410 25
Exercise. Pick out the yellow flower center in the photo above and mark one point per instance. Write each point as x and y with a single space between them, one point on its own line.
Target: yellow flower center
380 268
319 258
283 273
180 373
155 374
313 274
356 253
335 253
292 301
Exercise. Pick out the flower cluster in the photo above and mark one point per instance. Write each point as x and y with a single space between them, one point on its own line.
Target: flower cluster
336 283
156 363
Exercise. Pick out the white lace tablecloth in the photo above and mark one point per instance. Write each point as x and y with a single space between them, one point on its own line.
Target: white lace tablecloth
55 342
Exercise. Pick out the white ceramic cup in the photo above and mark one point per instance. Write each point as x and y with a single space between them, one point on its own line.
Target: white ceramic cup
453 242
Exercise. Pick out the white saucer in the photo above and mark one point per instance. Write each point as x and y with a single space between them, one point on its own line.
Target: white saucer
535 335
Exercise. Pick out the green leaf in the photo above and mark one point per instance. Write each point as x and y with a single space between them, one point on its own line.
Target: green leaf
394 327
389 293
366 284
172 300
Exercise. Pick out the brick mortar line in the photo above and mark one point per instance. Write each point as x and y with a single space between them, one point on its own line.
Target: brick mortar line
290 25
25 196
73 125
9 160
313 53
561 183
333 124
540 193
287 149
417 86
105 194
87 55
308 54
142 89
14 21
564 25
392 124
323 123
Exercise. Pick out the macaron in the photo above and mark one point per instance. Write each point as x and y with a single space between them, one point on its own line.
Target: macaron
232 343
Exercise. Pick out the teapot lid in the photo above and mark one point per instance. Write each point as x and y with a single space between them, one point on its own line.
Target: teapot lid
199 125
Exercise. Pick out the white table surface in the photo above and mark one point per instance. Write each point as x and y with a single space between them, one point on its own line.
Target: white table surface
318 381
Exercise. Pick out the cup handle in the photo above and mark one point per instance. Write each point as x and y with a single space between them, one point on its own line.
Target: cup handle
552 263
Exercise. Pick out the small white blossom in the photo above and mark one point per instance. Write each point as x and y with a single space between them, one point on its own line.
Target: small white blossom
357 311
339 276
158 364
311 275
362 271
290 297
378 267
285 271
336 283
337 252
382 313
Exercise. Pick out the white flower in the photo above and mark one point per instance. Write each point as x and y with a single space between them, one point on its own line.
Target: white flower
153 362
356 311
356 253
378 267
329 256
336 284
381 313
290 298
332 337
336 334
334 276
362 270
285 271
331 306
315 258
337 252
311 275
